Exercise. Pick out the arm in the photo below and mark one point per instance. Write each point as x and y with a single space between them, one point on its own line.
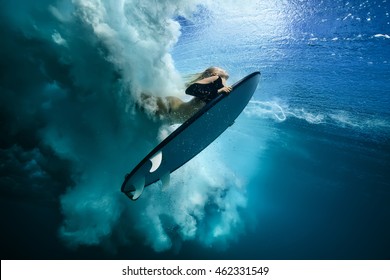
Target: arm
225 89
212 79
208 80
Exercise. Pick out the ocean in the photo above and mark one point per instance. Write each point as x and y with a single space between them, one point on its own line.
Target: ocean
302 174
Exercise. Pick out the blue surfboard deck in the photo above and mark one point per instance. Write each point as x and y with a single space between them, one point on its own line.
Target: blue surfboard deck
191 137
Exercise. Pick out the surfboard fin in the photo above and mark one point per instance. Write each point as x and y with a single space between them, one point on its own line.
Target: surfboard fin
156 161
139 185
165 179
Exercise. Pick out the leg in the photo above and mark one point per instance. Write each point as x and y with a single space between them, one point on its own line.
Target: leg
182 111
172 107
154 104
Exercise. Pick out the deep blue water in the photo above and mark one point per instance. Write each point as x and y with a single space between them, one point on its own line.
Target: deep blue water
303 173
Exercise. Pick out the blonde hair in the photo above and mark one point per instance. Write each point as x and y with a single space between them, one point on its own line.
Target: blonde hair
211 71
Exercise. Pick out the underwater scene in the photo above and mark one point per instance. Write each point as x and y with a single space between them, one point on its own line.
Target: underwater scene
302 174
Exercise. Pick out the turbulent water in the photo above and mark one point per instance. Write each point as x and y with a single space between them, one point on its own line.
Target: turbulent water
302 174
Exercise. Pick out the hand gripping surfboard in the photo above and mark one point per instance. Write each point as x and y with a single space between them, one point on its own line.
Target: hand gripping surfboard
190 138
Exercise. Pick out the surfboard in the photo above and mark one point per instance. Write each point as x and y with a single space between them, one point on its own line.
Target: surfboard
190 138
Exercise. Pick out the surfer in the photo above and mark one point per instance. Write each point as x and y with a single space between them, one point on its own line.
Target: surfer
190 138
205 86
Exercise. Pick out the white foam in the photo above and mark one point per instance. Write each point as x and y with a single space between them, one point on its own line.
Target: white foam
272 110
346 119
313 118
57 38
136 38
382 36
265 109
208 182
279 113
166 130
139 36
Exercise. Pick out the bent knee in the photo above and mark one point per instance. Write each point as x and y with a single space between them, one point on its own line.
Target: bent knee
174 102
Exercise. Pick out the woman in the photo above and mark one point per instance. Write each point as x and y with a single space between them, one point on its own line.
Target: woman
205 87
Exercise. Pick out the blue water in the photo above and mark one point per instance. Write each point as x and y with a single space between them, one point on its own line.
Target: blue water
302 174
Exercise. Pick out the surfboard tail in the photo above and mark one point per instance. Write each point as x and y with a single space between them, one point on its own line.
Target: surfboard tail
135 188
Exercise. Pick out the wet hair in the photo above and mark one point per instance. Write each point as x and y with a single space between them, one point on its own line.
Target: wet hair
211 71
